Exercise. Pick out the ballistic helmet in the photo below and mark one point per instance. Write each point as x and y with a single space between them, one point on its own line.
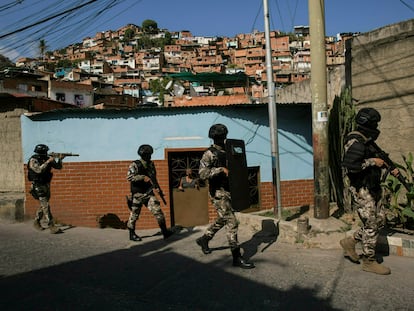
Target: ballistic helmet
145 149
41 149
368 118
218 131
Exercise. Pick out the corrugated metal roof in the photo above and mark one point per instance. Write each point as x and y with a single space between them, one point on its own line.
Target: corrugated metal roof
160 109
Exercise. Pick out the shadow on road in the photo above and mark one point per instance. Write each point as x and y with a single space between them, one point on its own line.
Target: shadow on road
151 276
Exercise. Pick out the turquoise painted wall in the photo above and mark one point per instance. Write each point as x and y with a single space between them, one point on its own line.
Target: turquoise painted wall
115 135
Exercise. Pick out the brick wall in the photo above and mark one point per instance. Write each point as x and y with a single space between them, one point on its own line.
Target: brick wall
295 193
84 190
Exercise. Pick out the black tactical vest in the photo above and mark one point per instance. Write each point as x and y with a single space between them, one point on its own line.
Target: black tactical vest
220 180
140 186
369 177
42 178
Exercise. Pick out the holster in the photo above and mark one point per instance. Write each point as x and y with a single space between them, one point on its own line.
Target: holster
33 192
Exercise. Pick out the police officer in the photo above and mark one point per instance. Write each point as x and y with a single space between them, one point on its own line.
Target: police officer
144 188
364 170
213 167
40 174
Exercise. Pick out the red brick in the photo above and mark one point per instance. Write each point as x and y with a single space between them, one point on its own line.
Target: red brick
82 191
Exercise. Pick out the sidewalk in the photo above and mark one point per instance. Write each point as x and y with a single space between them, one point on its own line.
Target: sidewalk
326 233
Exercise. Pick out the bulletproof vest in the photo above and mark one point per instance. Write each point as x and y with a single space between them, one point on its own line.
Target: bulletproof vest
44 177
369 177
221 180
141 186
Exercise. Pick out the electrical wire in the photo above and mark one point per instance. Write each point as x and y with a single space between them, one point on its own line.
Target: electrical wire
407 5
45 20
280 14
9 5
257 15
57 23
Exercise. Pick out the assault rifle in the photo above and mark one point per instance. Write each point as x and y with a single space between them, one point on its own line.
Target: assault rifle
129 198
157 186
62 155
390 164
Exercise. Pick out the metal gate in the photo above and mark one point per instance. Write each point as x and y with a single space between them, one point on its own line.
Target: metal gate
189 207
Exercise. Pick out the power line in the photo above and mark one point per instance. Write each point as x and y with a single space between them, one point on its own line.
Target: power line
10 5
407 5
64 29
46 19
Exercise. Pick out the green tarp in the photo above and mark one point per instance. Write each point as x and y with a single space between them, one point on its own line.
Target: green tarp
217 79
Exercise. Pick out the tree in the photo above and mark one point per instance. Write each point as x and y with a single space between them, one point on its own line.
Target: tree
129 34
149 26
157 86
5 62
65 63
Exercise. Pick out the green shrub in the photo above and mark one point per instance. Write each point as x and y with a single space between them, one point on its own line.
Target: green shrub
399 197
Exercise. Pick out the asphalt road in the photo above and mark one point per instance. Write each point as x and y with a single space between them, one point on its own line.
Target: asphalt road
100 269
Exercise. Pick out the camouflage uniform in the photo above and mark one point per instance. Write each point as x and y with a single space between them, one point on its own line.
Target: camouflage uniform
145 196
40 170
144 186
211 169
365 179
372 215
365 167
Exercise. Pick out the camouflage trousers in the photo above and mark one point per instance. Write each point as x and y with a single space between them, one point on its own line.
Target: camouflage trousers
226 217
372 215
151 202
41 192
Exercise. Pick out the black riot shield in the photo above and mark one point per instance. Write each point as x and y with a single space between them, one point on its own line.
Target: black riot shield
238 174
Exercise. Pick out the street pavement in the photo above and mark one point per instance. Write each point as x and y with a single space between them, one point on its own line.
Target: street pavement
100 269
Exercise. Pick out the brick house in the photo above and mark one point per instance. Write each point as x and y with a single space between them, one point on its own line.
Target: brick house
94 183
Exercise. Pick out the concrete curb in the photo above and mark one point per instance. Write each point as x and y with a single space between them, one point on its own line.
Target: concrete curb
324 234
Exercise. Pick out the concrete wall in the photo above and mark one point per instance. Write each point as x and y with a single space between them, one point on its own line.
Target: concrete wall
12 175
301 92
383 78
12 178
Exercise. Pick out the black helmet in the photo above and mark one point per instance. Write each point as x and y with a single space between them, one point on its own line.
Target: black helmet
41 149
368 118
218 131
145 149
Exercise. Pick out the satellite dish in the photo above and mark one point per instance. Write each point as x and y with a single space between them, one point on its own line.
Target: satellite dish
178 89
169 84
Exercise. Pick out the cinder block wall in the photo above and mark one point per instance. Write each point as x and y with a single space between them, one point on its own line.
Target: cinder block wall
382 78
83 191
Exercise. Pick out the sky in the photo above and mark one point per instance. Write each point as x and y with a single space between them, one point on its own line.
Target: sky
23 23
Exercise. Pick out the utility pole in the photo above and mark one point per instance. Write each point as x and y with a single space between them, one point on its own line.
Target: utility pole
272 115
319 108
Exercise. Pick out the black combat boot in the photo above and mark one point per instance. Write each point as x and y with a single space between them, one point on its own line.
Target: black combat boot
37 225
238 260
165 232
203 243
53 229
133 236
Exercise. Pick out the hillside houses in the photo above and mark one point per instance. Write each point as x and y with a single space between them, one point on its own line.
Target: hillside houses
128 59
